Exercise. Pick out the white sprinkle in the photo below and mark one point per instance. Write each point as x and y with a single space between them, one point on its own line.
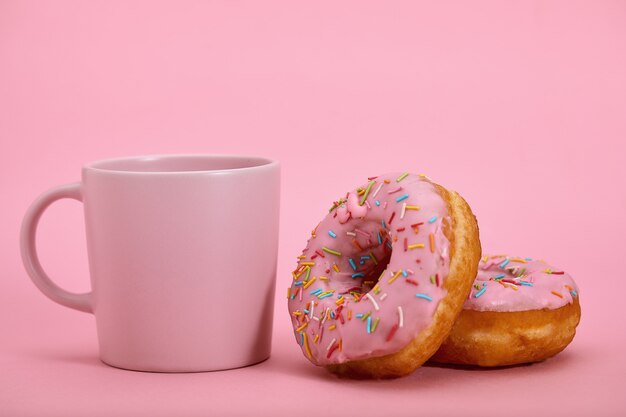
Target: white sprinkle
325 315
395 190
410 271
351 234
312 308
382 297
362 232
384 205
315 318
332 342
300 296
377 190
373 301
403 211
401 317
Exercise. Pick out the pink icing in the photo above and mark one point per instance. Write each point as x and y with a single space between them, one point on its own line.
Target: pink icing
340 310
518 284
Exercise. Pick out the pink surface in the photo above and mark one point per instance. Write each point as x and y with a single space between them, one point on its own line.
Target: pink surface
518 106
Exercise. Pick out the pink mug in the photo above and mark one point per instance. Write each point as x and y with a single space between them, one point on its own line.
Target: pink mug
182 256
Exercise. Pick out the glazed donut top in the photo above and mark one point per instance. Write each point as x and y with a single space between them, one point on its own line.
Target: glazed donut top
370 278
506 283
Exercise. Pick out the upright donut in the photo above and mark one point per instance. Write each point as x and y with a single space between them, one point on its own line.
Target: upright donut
520 310
383 277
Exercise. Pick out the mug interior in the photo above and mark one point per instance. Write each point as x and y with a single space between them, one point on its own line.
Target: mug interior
180 163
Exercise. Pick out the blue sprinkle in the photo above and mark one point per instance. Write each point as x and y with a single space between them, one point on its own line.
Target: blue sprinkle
358 316
424 296
574 293
389 245
404 273
332 314
325 295
481 292
293 296
500 276
362 263
432 219
365 257
528 284
358 274
402 197
305 310
352 264
315 292
369 324
504 263
297 283
332 234
528 259
301 338
380 239
383 223
377 202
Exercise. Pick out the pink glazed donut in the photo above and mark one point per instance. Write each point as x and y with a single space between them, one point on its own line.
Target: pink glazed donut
520 310
383 277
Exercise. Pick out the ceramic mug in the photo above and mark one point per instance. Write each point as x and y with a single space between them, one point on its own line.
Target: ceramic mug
182 256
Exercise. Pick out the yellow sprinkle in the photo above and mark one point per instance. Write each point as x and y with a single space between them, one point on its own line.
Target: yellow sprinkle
373 258
323 278
412 207
340 345
308 264
306 346
339 301
376 289
520 260
333 327
513 286
288 292
558 294
308 284
299 329
317 337
431 239
375 324
415 246
349 314
301 256
401 177
485 259
335 267
393 278
297 313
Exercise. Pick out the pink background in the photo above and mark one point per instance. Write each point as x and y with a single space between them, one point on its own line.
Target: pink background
520 106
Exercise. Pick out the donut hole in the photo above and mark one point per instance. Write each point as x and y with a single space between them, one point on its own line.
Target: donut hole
372 275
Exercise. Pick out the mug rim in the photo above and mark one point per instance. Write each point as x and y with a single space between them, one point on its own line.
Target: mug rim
258 162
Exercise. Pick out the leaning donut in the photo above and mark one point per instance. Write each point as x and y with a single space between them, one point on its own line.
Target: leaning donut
384 276
520 310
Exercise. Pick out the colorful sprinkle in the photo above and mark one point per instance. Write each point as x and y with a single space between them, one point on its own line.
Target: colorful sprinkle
308 284
424 296
352 264
402 197
412 207
401 177
367 191
332 234
504 263
369 325
375 324
400 317
373 301
558 294
331 251
416 246
358 274
393 278
392 332
481 292
431 239
432 219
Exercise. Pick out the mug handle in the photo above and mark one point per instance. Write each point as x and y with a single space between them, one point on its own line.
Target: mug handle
81 302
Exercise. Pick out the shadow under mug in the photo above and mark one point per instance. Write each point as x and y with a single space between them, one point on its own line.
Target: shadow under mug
182 257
